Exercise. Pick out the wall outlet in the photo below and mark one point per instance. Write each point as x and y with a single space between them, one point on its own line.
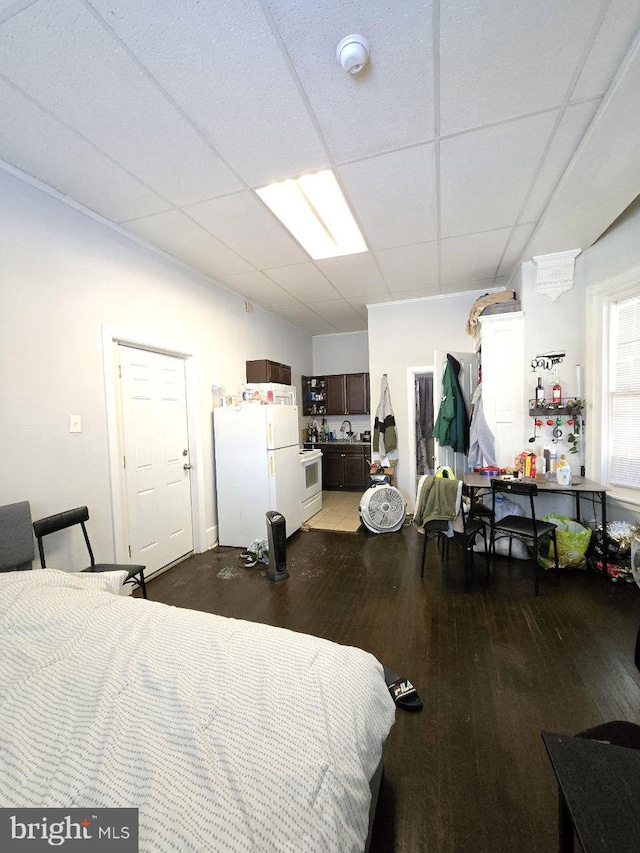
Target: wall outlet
75 423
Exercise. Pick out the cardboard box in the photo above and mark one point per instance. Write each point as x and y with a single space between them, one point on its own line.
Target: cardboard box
390 470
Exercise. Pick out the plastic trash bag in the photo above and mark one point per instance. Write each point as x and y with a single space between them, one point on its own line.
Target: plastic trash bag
504 507
573 540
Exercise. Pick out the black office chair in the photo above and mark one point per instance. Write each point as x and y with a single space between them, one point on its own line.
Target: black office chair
16 537
530 531
80 515
618 732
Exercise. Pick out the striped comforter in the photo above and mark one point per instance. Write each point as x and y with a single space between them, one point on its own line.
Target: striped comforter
226 735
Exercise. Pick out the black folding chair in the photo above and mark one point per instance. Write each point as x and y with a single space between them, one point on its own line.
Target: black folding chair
530 531
80 515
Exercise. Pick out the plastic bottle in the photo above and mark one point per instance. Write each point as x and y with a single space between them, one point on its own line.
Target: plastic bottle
553 457
563 471
539 393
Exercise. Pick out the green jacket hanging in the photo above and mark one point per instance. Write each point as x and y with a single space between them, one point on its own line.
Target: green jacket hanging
452 426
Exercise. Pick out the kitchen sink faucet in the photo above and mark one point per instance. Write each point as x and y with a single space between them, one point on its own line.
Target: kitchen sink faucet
349 432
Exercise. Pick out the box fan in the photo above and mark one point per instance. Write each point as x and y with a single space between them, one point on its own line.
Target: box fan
382 508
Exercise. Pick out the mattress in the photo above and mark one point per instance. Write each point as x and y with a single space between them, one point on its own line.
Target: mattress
225 734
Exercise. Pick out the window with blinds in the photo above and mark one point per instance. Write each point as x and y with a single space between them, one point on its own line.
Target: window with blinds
624 394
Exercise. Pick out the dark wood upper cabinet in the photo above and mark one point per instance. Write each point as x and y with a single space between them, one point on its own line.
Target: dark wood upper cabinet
336 394
264 370
357 393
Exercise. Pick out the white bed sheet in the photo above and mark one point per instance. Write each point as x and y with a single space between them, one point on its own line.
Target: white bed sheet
227 735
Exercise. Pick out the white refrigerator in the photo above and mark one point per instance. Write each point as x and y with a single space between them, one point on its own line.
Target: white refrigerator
257 469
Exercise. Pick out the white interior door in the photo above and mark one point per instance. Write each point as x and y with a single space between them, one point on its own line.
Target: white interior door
156 457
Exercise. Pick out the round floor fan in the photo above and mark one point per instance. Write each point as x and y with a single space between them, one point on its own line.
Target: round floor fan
382 508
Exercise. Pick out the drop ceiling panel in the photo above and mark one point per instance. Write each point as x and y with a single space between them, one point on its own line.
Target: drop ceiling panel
394 196
616 33
258 288
485 174
298 314
515 247
227 71
353 275
566 138
506 58
401 65
418 293
604 179
479 286
410 267
180 236
94 86
340 314
318 327
9 7
100 184
244 224
304 281
472 257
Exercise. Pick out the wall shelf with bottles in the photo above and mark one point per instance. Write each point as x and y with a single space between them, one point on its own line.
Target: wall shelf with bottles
566 406
314 395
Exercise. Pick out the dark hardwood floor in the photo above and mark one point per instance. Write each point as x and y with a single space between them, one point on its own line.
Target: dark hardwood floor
494 666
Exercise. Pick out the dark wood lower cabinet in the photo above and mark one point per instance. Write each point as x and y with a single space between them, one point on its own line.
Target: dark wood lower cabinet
344 467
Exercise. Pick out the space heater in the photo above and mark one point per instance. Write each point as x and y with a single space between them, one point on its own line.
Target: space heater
277 539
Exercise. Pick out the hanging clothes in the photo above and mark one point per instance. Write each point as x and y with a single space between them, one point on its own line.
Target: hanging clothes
482 443
384 425
424 420
452 425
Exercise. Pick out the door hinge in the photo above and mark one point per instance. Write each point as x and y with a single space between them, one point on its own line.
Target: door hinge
129 550
120 371
124 461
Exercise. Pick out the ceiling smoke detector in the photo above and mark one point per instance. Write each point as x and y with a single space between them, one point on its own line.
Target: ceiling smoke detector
353 53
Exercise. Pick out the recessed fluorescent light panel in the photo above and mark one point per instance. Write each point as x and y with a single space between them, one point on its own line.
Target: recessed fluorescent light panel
314 210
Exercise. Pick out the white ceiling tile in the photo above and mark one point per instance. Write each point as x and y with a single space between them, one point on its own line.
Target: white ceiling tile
318 327
298 314
222 64
417 293
401 65
244 224
504 58
180 236
410 267
570 131
12 7
257 287
304 281
621 23
66 162
485 174
94 86
475 256
515 247
353 275
604 179
339 313
394 196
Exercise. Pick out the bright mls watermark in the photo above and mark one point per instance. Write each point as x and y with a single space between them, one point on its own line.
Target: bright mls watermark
69 829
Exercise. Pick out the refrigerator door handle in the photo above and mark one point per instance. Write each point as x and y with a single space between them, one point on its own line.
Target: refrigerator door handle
271 470
270 434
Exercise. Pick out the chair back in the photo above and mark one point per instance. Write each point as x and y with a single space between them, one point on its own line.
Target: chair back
16 537
514 487
60 521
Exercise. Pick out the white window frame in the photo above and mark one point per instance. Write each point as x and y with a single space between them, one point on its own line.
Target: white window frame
600 299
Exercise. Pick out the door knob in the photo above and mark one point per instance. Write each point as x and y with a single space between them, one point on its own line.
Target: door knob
186 466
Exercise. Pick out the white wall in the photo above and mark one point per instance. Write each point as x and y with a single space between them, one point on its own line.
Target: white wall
406 334
616 251
344 353
64 276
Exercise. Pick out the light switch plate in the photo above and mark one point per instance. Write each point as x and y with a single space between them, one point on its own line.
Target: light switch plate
75 423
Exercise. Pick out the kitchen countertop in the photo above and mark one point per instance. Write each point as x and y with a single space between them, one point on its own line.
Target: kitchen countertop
338 441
